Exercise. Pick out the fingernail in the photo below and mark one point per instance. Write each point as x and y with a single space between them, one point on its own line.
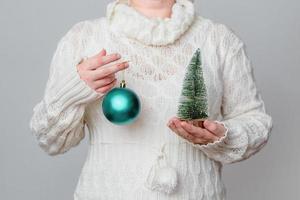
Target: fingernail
118 55
126 64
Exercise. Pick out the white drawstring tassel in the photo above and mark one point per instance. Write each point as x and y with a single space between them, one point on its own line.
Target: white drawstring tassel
162 177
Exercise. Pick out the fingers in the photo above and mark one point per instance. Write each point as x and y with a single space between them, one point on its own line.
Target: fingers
110 69
104 81
101 53
101 59
214 127
99 71
192 133
199 132
101 85
102 65
107 87
182 133
89 63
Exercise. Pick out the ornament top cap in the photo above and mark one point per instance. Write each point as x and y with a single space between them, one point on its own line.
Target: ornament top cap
123 84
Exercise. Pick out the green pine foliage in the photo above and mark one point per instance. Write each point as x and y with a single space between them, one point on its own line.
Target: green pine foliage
193 99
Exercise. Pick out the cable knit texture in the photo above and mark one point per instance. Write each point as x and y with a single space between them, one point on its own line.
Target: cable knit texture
120 157
161 30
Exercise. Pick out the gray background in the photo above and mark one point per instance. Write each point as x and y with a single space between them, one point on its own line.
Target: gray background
29 34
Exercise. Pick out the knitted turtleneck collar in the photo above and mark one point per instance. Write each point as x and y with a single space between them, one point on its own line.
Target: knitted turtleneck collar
126 20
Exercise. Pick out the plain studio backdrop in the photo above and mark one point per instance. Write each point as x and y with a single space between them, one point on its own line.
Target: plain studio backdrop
30 31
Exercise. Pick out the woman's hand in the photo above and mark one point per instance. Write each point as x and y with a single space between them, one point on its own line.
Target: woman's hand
209 132
99 71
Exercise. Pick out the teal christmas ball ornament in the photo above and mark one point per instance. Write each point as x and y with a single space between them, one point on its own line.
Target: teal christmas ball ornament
121 105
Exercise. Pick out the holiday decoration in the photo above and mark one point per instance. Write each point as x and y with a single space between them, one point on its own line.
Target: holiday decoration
193 100
121 105
162 177
192 107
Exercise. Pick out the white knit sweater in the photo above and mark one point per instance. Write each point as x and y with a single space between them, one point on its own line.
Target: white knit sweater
120 157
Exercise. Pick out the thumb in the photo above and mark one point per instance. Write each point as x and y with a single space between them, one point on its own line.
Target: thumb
213 127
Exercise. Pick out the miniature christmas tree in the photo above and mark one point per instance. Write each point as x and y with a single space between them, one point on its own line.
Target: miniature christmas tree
193 100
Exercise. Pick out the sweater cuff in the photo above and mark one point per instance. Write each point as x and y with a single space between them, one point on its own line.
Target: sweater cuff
71 90
217 143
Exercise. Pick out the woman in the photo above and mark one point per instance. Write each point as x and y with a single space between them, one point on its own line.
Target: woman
158 156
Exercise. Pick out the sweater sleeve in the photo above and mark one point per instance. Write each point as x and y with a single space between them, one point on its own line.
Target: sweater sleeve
58 119
244 115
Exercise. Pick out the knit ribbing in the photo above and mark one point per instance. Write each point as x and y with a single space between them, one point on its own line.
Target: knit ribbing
58 118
